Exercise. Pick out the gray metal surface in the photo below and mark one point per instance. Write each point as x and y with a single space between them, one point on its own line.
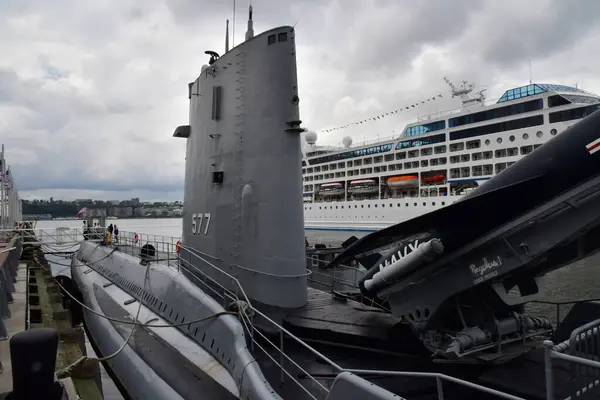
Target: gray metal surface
171 296
244 122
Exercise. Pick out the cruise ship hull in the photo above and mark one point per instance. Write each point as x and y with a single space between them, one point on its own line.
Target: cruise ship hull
369 215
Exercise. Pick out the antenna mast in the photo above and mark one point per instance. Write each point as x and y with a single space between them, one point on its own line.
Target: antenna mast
233 33
250 31
530 71
227 36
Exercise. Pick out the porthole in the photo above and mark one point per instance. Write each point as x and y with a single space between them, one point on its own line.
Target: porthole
487 142
539 133
511 138
499 140
553 132
525 136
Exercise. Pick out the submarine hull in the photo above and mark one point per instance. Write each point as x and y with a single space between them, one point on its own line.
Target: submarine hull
175 362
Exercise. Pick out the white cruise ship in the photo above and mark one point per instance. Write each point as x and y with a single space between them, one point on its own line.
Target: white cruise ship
435 160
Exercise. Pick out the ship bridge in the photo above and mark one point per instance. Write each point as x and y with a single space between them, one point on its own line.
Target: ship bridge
572 94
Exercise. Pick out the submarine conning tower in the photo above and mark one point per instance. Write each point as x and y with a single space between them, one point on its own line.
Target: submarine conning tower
243 180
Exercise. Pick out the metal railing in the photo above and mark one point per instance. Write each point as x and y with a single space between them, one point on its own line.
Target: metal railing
201 268
582 352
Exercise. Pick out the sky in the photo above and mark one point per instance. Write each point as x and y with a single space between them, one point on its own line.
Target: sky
91 91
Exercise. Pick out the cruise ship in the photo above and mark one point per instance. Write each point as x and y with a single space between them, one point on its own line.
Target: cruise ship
436 160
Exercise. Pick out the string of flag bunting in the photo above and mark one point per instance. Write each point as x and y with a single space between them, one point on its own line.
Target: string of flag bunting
377 117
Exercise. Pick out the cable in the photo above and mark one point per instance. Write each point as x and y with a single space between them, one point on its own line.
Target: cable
68 370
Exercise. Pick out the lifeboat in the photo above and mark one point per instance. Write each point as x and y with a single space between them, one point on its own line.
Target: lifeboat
434 179
331 189
363 186
400 182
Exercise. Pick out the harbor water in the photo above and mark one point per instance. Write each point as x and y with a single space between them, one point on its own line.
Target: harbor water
578 281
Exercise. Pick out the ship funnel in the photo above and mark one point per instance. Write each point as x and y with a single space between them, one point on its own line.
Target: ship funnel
250 31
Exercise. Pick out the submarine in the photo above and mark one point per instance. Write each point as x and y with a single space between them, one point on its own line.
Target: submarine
236 317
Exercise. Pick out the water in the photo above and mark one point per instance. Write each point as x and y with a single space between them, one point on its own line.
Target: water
578 281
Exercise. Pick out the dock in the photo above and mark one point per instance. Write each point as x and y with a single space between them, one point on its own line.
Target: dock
30 299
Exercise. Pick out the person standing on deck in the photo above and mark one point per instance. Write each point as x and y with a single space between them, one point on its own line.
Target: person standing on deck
109 232
116 233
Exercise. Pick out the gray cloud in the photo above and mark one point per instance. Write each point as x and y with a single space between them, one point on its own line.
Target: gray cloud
90 92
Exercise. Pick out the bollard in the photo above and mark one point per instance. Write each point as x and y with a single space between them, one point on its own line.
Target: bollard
33 358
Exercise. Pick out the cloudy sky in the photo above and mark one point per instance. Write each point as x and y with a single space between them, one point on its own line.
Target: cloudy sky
90 91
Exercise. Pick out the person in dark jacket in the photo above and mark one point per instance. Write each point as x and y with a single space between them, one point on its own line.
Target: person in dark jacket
116 234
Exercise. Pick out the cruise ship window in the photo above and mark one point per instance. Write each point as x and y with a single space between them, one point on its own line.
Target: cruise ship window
398 204
424 163
415 204
398 167
501 153
477 156
535 146
407 165
500 167
349 164
443 203
553 132
526 150
473 144
487 142
488 169
465 157
401 155
457 146
511 138
426 152
487 155
392 167
525 136
539 134
499 140
362 206
439 149
406 205
389 157
378 159
414 164
413 153
282 37
367 161
434 162
271 40
453 159
375 205
513 151
443 160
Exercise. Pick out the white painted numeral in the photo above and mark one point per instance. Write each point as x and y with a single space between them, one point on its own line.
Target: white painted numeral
207 216
197 223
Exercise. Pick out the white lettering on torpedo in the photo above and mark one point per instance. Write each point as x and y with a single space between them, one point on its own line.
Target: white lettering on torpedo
197 219
400 254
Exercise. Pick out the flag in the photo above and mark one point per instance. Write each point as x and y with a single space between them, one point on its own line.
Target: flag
82 212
